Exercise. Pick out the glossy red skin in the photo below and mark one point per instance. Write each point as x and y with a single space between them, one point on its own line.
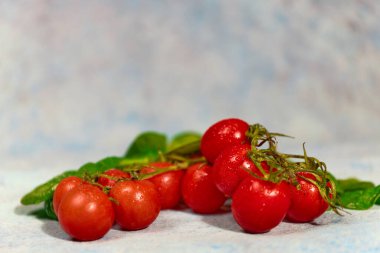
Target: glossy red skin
66 185
230 168
116 173
168 184
86 213
307 203
222 134
199 191
138 204
258 205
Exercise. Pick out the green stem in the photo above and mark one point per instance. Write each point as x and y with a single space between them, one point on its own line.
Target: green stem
283 168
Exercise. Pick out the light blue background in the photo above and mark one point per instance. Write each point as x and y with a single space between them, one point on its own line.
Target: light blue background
79 80
77 76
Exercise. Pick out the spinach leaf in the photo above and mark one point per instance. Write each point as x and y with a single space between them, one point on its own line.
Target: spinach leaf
147 144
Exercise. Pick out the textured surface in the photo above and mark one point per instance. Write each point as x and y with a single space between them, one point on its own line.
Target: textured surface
79 79
180 230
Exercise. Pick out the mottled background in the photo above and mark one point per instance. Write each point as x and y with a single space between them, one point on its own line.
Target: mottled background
79 80
84 77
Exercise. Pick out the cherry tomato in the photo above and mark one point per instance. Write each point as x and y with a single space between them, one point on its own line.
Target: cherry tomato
137 204
258 205
231 166
168 184
199 191
66 185
223 134
86 213
116 174
306 202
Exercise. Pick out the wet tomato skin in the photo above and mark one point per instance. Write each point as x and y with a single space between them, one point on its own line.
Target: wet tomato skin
137 203
221 135
66 185
167 183
258 205
307 203
231 166
114 173
86 213
199 191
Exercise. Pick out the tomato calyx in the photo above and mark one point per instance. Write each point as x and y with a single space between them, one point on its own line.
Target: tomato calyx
176 161
287 167
144 170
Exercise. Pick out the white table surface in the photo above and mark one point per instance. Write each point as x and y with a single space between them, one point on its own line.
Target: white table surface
181 230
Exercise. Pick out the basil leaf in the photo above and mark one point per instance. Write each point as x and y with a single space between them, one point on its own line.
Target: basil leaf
186 149
147 144
88 168
43 191
40 214
353 184
100 166
360 199
183 139
108 163
49 209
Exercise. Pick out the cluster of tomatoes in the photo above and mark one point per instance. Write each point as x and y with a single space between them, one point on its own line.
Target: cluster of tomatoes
258 204
86 211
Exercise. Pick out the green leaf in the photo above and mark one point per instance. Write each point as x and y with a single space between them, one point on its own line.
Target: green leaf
186 149
183 139
40 214
108 162
88 168
147 144
360 199
43 191
100 166
353 184
49 209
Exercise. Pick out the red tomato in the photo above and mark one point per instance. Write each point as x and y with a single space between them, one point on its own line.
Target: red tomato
137 204
114 173
230 168
86 213
199 191
223 134
66 185
306 203
168 184
258 205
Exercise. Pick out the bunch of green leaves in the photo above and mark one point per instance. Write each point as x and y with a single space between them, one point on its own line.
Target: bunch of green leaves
356 194
152 146
146 147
